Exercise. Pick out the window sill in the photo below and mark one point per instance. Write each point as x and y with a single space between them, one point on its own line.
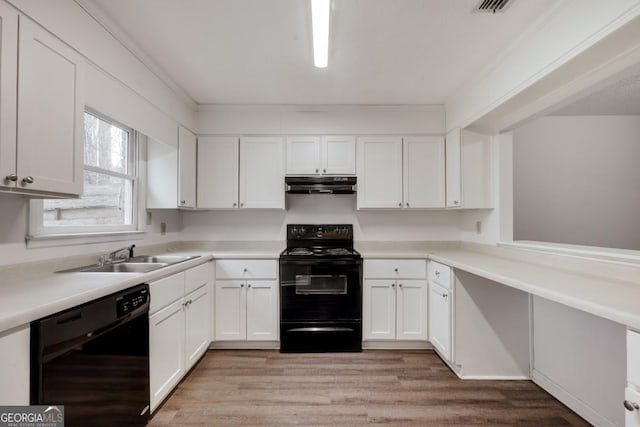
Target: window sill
53 240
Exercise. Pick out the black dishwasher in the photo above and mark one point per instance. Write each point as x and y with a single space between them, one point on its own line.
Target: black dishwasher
94 360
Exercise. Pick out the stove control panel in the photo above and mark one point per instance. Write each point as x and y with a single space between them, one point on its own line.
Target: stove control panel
320 232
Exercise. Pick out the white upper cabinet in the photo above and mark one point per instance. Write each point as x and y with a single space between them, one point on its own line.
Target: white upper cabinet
303 155
241 173
401 173
49 113
262 172
469 168
326 155
424 172
187 151
218 177
379 161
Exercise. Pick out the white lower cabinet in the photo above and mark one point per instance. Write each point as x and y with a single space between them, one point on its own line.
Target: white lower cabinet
441 308
166 351
632 392
246 307
246 310
179 328
395 307
14 369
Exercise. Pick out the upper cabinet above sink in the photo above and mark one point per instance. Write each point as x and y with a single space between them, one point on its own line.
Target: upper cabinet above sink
41 141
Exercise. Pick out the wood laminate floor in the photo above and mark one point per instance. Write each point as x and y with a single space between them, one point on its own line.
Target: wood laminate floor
266 388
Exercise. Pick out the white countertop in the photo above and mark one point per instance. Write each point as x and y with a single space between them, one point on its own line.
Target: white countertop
603 289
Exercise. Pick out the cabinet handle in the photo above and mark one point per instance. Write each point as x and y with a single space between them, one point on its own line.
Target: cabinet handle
395 269
182 202
249 285
400 204
631 406
242 285
437 273
455 202
28 180
235 204
445 296
317 170
11 177
393 285
245 270
241 204
324 171
400 285
407 204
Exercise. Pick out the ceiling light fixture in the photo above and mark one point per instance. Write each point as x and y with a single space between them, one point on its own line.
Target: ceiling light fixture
320 11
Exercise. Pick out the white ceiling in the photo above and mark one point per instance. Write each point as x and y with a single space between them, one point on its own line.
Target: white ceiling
259 51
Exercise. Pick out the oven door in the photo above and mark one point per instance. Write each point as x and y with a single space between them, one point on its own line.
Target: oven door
320 290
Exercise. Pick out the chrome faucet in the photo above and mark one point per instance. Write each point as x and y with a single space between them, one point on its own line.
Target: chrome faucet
117 255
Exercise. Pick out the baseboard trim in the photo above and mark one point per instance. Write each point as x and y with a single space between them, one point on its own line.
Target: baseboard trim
244 345
396 345
578 406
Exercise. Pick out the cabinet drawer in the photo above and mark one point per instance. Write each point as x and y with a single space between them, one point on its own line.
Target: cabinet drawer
165 291
246 269
633 358
196 277
440 274
395 268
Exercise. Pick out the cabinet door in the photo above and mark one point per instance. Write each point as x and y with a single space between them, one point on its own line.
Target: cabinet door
440 319
338 154
453 161
197 323
50 94
8 90
262 172
379 172
424 172
303 155
632 418
162 175
231 310
14 370
262 310
411 311
166 351
187 149
218 161
379 311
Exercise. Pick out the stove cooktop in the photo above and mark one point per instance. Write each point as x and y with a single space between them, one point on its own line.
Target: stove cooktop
321 252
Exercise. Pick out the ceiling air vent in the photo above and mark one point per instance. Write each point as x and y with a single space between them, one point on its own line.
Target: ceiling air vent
492 6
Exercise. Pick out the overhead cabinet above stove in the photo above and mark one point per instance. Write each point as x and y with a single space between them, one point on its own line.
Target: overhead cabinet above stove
321 155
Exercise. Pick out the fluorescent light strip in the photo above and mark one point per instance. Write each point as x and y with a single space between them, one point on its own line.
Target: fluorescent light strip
320 11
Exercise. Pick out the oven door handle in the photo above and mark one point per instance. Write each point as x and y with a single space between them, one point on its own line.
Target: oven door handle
322 261
321 329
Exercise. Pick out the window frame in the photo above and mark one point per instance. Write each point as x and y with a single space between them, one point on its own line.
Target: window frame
49 235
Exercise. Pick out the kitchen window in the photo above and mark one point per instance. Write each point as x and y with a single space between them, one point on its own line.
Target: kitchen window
108 204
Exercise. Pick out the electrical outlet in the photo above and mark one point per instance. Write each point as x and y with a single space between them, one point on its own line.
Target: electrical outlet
478 227
148 218
163 228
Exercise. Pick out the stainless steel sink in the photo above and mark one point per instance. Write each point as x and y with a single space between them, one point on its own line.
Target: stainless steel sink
121 267
137 264
168 259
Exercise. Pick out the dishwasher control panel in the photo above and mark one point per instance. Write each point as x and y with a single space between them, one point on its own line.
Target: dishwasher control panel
132 301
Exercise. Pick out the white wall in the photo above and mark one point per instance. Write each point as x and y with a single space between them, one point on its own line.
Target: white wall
577 180
318 209
13 228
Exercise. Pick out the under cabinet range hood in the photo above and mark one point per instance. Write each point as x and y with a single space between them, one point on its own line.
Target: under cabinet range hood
320 184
